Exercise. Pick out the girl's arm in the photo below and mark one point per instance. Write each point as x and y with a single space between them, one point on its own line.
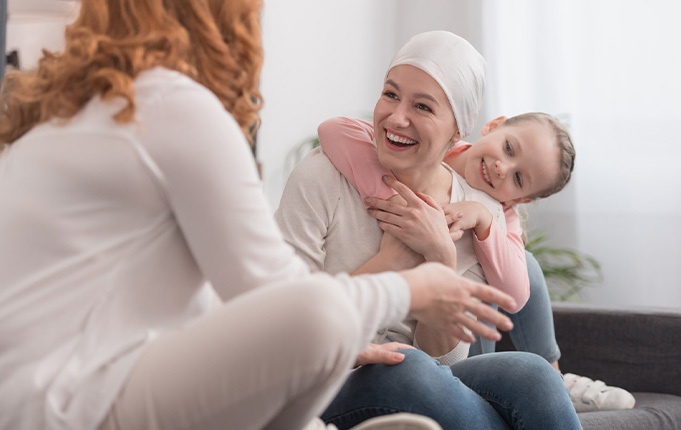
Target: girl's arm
502 257
501 254
348 144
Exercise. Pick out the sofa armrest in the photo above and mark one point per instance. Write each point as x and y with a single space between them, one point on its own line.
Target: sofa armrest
636 349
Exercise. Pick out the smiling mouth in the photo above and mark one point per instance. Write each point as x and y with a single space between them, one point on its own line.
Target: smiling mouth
485 176
402 142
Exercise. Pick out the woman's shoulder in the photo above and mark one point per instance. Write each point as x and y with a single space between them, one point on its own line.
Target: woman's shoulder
161 77
316 168
317 181
162 85
167 100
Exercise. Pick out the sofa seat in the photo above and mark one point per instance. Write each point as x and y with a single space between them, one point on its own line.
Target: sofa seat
652 411
636 349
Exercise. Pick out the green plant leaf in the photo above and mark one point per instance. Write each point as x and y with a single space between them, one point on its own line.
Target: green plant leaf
567 271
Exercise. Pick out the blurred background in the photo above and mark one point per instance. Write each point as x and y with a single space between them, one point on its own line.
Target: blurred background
610 69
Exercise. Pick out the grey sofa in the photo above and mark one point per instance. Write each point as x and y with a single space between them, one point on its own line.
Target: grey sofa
639 350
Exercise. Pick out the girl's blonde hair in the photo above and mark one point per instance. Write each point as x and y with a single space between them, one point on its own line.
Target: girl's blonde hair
215 42
566 160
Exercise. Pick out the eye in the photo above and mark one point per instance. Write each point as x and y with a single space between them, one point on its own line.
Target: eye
390 94
508 148
518 180
423 107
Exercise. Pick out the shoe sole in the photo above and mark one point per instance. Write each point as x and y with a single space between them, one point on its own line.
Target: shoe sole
401 421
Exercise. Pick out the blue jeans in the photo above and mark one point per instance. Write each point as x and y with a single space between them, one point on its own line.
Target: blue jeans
533 325
491 391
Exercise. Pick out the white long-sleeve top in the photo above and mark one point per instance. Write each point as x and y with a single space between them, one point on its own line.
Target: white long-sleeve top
323 217
111 236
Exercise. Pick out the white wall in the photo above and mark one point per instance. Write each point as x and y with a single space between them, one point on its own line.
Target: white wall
36 24
327 58
623 206
321 59
614 67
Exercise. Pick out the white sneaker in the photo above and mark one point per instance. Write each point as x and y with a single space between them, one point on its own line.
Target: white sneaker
401 421
588 395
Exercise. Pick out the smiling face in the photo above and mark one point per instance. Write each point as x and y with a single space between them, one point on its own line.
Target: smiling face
512 163
413 121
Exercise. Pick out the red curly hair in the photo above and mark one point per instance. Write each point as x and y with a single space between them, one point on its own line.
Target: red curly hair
215 42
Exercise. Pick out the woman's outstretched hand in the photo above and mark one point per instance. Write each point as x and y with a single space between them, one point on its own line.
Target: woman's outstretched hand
441 299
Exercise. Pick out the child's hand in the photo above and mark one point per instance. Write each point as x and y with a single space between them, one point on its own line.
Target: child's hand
467 215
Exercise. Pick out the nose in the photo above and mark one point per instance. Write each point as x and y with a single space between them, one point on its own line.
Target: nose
399 118
501 169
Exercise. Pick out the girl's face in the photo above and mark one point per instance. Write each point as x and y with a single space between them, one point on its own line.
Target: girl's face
413 121
512 163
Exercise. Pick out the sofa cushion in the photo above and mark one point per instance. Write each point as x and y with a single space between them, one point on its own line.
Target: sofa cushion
638 350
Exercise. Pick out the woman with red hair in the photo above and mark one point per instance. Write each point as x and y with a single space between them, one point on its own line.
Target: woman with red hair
143 281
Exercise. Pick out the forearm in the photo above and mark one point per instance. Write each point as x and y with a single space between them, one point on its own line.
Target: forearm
392 255
348 144
377 264
484 225
435 343
445 254
502 257
382 300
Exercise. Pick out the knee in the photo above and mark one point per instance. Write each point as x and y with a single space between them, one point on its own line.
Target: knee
535 273
528 369
417 375
415 359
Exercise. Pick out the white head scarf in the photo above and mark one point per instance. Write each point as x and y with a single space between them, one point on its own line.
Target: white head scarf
454 64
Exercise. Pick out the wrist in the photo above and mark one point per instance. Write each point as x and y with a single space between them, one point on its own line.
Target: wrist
445 254
484 225
420 288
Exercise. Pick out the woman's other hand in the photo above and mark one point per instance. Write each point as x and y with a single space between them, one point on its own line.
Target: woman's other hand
385 353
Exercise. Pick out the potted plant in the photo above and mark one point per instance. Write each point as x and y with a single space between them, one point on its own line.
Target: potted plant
567 271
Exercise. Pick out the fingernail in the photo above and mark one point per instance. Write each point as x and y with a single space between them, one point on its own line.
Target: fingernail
386 178
367 200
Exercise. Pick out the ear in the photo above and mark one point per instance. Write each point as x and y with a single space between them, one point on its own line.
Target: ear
491 125
456 137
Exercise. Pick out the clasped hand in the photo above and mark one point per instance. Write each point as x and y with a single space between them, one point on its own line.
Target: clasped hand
416 220
441 298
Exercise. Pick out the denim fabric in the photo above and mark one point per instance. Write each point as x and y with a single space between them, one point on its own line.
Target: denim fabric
533 329
491 391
